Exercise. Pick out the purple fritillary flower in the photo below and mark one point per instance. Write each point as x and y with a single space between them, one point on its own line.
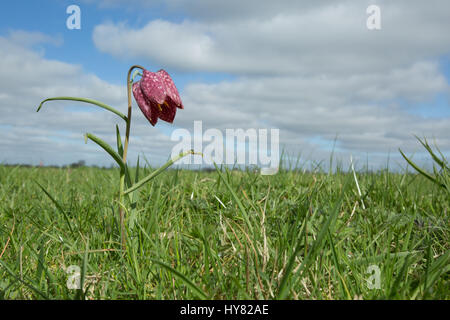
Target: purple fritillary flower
157 96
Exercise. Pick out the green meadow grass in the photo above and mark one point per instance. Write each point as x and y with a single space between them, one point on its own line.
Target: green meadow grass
227 235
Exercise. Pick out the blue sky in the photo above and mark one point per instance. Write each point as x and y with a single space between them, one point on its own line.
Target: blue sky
49 17
312 70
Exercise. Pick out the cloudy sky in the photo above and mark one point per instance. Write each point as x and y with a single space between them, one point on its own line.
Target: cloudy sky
311 69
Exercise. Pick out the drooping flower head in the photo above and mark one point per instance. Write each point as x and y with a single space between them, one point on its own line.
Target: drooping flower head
157 96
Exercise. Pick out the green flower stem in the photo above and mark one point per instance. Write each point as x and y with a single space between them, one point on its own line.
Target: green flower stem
127 132
124 157
121 212
121 164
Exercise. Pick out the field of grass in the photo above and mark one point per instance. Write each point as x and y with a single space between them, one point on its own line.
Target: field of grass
227 235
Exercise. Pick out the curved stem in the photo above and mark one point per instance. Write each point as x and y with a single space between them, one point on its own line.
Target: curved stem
127 132
124 158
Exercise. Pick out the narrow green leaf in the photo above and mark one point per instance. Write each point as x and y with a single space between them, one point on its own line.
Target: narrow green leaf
42 268
136 73
80 293
43 295
136 178
158 171
236 198
433 272
338 267
421 171
440 162
199 293
85 100
58 206
282 289
119 142
439 266
316 246
400 276
108 149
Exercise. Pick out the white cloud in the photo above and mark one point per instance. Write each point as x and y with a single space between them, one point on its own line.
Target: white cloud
160 40
28 39
329 39
306 107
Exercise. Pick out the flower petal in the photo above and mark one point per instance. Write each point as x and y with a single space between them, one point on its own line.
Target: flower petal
155 112
146 107
152 87
170 89
168 112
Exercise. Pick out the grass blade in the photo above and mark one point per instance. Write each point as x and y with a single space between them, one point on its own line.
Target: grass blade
188 282
317 245
236 198
421 171
440 162
66 217
39 292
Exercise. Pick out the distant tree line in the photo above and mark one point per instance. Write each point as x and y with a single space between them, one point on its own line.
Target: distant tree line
78 164
82 164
